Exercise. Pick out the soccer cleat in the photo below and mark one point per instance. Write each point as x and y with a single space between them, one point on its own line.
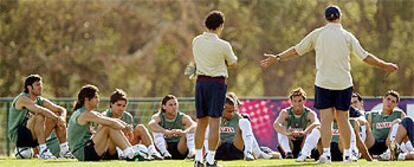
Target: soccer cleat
67 155
46 154
324 159
264 155
289 155
354 155
401 156
347 159
198 164
212 165
190 155
248 156
156 156
301 158
385 156
166 155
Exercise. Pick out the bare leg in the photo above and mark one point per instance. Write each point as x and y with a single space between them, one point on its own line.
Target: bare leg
344 127
327 117
141 135
182 145
200 132
107 135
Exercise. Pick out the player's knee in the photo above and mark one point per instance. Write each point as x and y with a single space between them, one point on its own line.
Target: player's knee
407 122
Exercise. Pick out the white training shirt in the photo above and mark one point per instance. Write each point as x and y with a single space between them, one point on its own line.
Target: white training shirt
333 46
210 55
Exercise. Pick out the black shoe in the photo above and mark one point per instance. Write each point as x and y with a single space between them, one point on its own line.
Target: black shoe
212 165
289 155
198 164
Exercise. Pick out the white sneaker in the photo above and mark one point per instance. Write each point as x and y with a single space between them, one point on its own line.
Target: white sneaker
324 159
385 156
46 154
347 159
401 156
67 155
354 155
248 156
166 155
263 155
301 158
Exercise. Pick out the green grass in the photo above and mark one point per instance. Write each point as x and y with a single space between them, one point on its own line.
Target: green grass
9 162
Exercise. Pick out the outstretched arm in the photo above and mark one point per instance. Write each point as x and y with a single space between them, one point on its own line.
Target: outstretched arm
274 59
376 62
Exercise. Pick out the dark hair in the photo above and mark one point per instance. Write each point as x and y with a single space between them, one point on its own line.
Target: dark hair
32 78
214 19
357 95
297 92
87 91
165 100
332 12
393 93
117 95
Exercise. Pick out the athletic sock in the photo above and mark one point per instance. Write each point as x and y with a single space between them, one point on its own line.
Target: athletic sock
160 142
311 141
190 143
199 155
284 142
210 156
247 135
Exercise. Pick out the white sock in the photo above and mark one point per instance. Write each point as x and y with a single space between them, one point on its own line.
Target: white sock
393 132
129 152
151 149
190 143
64 147
403 147
42 147
311 141
363 133
247 135
347 152
284 142
199 155
121 154
210 156
160 142
327 151
256 148
409 146
353 140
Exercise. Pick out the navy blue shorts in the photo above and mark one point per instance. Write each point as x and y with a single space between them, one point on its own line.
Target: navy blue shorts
340 99
210 96
378 148
227 151
24 137
408 124
172 148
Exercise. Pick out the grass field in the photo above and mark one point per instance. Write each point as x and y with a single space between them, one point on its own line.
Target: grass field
8 162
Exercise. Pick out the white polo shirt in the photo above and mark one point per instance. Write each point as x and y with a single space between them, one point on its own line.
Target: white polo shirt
333 46
210 55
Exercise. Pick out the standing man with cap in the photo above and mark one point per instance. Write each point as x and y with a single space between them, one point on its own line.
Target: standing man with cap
212 57
333 46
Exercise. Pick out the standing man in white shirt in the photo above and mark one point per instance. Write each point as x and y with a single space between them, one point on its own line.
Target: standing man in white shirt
212 57
333 46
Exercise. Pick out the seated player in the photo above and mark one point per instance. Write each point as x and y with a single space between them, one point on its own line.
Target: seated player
173 130
140 135
88 147
297 127
33 118
383 126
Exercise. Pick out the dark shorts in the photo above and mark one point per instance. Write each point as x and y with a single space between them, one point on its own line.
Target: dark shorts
172 148
210 96
227 151
90 152
25 138
408 124
297 146
340 99
378 148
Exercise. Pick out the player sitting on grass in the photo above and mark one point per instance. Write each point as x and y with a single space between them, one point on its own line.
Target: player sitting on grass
173 130
297 126
140 134
383 125
401 148
33 118
88 147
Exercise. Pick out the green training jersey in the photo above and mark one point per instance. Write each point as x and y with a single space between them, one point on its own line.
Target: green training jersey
19 117
297 122
177 123
126 116
335 130
228 128
381 123
78 135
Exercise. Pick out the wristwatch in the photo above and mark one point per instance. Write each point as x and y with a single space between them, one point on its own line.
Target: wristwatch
278 58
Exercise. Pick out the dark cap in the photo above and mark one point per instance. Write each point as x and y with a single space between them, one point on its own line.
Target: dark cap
332 12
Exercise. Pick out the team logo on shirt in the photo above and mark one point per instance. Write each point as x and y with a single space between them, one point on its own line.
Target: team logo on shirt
383 125
335 132
227 130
